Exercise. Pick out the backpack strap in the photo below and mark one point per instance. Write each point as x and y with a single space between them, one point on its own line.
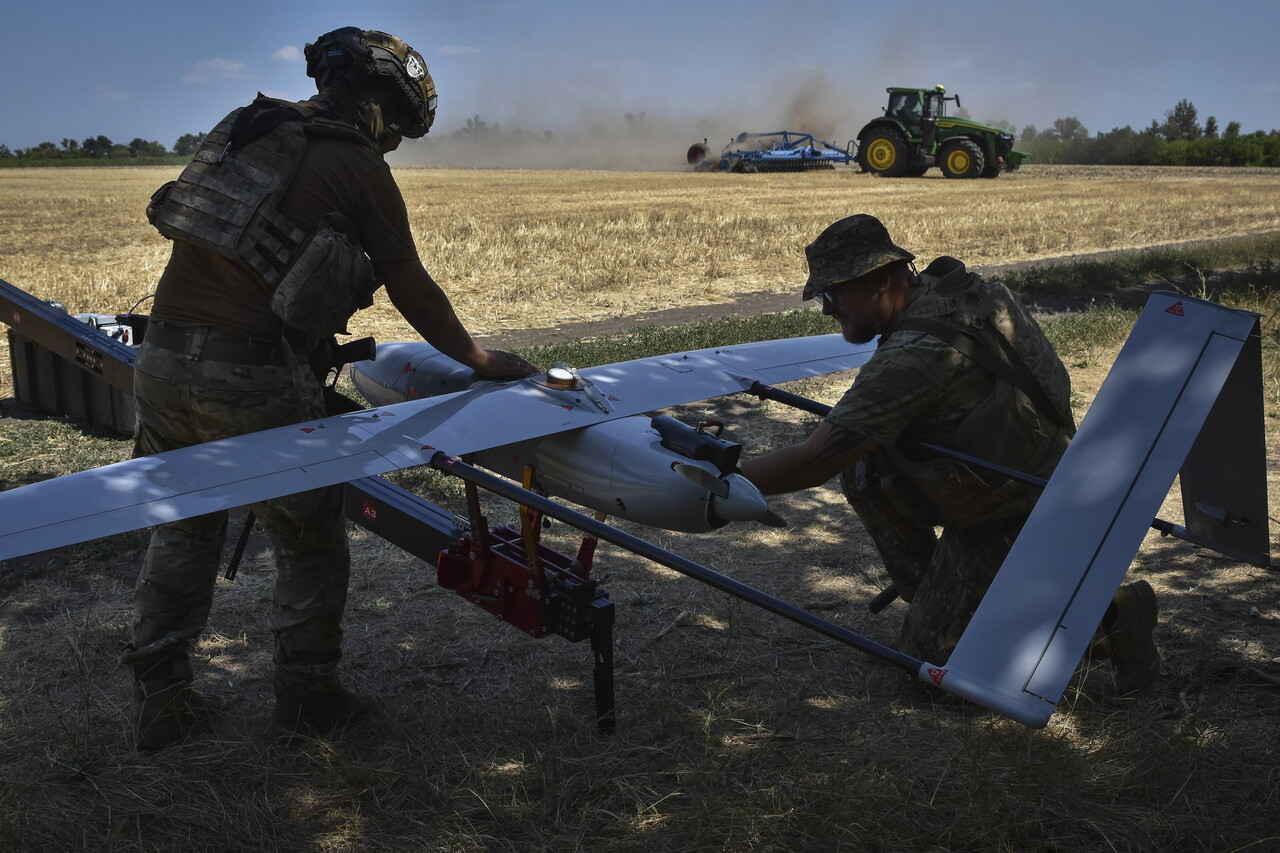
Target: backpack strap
1006 364
260 117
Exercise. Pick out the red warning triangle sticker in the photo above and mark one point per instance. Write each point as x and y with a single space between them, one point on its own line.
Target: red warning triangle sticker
937 675
1175 309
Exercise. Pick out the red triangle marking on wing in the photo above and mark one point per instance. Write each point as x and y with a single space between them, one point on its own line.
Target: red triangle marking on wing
1175 309
937 675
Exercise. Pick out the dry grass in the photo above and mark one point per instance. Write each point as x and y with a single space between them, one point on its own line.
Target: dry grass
520 249
737 731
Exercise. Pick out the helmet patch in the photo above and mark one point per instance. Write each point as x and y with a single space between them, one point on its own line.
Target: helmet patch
414 67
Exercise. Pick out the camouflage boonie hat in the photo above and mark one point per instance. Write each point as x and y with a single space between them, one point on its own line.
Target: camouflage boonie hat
849 249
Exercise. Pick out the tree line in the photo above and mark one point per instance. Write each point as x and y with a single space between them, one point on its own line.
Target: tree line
99 148
1180 139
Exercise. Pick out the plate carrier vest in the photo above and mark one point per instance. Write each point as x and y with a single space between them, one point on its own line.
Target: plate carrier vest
1025 423
227 200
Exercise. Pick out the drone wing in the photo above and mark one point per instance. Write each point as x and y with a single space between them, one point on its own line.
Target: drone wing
258 466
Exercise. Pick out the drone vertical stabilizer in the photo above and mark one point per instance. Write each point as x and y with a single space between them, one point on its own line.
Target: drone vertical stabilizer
1184 393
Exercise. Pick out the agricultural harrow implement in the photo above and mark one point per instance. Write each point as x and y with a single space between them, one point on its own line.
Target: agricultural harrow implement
779 151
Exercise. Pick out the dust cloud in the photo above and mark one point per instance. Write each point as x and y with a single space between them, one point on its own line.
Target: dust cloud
602 135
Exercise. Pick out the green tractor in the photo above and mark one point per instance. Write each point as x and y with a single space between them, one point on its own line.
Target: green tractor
915 133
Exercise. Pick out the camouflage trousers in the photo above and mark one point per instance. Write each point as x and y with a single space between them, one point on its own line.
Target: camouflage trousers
942 578
182 402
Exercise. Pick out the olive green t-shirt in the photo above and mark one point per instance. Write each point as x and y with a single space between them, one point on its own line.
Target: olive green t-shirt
200 287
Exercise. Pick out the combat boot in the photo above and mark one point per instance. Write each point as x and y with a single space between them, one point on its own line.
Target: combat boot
315 716
165 712
1135 661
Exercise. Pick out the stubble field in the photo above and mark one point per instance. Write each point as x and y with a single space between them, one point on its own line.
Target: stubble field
737 731
535 249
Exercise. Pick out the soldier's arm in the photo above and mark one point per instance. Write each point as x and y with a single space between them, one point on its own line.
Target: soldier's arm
827 451
420 300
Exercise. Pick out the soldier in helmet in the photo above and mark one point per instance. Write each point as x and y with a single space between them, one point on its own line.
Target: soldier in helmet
283 225
961 364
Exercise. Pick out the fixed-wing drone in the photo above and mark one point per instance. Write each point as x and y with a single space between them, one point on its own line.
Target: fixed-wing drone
1184 396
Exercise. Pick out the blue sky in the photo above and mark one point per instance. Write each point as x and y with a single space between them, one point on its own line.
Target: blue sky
76 69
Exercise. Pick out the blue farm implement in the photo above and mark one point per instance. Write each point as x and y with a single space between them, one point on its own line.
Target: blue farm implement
781 151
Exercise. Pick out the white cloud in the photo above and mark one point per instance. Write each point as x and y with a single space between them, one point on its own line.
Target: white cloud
208 69
114 96
458 50
288 53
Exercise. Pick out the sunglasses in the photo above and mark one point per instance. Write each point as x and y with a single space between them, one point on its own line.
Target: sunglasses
830 295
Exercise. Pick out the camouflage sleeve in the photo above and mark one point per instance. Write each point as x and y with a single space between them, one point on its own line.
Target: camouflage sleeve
905 382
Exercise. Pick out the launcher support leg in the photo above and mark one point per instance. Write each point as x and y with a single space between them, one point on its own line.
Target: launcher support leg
602 672
241 543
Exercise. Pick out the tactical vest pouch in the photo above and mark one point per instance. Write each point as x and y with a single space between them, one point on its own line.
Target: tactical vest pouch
961 496
330 280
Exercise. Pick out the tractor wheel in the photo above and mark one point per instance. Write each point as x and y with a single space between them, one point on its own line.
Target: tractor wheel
961 159
884 152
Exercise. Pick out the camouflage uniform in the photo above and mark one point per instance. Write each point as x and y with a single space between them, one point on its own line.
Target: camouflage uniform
184 400
919 388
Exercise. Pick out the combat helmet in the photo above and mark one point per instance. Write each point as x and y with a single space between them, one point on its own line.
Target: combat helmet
360 58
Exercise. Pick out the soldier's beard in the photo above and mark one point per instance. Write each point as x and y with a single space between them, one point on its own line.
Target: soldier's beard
853 329
856 334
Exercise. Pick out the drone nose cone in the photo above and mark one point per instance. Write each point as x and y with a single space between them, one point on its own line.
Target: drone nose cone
743 503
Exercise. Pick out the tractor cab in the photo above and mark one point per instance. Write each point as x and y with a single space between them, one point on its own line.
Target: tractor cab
918 111
914 106
905 106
